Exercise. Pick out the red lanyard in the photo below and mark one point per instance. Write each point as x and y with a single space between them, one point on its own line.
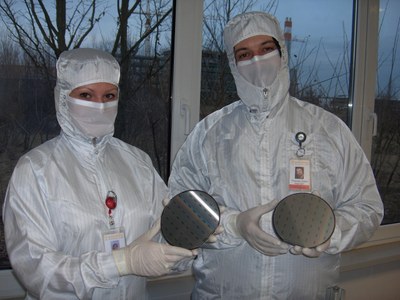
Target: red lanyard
111 203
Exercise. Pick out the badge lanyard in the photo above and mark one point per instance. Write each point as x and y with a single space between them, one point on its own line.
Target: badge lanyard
300 138
111 203
115 237
300 169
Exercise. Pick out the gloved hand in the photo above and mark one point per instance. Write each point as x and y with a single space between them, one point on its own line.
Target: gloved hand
144 257
311 252
213 237
248 226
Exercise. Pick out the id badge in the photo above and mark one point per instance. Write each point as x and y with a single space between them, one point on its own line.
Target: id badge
300 175
114 239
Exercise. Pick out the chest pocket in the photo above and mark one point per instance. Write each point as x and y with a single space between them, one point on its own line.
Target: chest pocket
317 150
77 224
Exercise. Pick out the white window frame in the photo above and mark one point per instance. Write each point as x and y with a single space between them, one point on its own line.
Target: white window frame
363 94
186 71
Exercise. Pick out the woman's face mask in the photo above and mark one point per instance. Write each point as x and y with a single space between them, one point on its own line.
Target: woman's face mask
261 70
94 119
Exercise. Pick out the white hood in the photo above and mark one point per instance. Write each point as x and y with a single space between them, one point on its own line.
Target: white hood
242 27
79 67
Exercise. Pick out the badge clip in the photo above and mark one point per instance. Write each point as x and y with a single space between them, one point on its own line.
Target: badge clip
111 203
300 138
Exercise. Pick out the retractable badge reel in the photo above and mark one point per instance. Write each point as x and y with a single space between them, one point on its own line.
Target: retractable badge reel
111 203
189 219
300 166
114 238
300 138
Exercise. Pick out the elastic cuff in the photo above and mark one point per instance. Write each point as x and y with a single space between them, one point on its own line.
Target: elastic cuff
120 261
335 241
230 226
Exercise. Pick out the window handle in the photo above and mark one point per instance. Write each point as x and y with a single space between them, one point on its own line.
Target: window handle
374 118
185 112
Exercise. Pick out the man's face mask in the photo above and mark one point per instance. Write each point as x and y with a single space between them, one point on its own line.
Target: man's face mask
261 70
93 119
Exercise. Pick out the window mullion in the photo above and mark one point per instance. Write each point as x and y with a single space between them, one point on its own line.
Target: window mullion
365 53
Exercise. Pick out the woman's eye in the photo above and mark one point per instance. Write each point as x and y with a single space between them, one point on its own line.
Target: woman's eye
85 95
111 96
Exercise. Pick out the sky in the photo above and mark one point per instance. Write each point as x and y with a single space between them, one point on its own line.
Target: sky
326 21
324 25
317 16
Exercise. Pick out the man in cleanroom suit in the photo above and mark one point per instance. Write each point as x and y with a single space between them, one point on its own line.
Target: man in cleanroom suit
245 155
74 199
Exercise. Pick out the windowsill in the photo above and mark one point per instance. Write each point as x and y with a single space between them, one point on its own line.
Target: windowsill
384 235
383 247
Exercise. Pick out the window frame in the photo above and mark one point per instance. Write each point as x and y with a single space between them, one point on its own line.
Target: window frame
185 95
364 74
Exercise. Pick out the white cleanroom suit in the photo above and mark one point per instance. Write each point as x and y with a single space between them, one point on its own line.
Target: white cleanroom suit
54 211
241 156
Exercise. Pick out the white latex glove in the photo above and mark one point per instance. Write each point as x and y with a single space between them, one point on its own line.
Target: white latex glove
166 201
213 237
248 226
311 252
144 257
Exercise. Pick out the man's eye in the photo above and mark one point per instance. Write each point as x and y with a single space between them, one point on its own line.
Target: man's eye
269 49
243 56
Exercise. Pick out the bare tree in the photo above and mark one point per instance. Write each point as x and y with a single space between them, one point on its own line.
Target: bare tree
140 20
44 31
9 53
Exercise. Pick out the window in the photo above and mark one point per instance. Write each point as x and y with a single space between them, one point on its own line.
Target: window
318 38
27 117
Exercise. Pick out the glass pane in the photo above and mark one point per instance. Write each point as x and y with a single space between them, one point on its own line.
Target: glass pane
27 116
386 143
318 37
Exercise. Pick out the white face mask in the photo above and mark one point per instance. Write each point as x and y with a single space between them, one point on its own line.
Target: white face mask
93 119
261 70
